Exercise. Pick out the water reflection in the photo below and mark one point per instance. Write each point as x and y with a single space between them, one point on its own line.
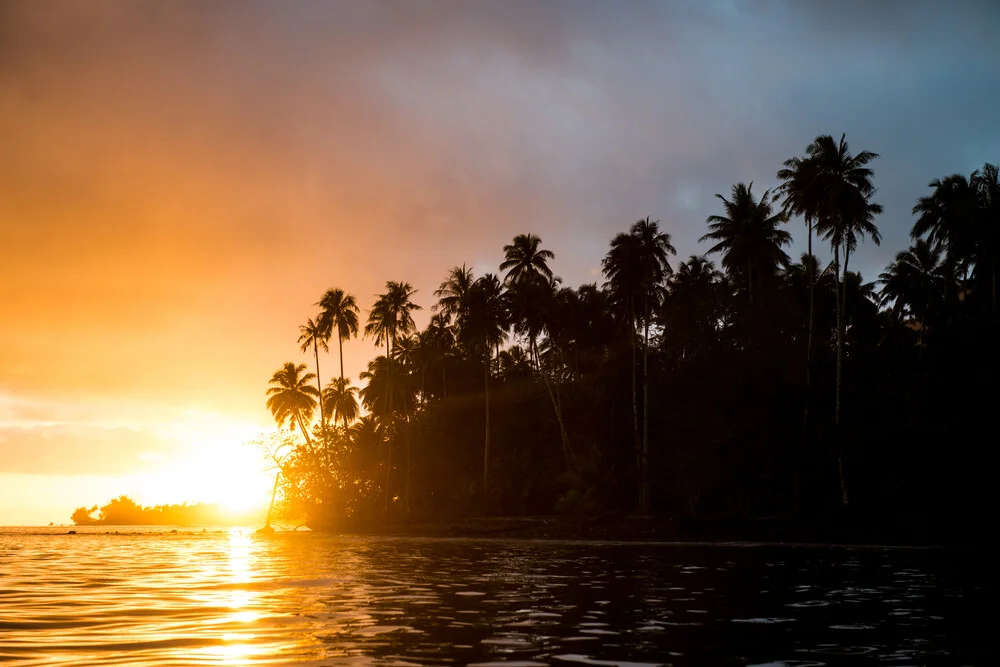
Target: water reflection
235 598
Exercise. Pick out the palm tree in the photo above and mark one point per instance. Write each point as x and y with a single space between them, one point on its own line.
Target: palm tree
854 220
391 316
314 335
453 290
748 236
482 327
340 310
840 193
987 232
525 261
439 337
635 267
947 217
818 187
291 397
802 197
341 400
914 283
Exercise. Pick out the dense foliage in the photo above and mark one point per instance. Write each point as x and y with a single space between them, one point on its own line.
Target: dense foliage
770 387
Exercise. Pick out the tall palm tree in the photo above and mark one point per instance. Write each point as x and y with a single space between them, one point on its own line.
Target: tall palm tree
530 285
802 197
291 397
314 334
439 336
340 398
391 316
987 233
340 310
635 267
482 327
843 188
524 260
914 283
748 235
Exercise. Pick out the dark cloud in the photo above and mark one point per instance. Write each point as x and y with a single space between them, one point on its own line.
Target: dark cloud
180 182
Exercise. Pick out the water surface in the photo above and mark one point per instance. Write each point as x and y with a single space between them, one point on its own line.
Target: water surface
235 598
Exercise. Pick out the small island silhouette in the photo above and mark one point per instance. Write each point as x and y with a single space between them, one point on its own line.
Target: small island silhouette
123 511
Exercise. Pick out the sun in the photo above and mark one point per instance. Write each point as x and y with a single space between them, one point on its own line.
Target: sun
213 465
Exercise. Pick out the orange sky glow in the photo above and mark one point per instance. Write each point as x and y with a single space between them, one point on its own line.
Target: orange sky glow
181 182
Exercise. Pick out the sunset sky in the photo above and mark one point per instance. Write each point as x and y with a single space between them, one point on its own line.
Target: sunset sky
181 181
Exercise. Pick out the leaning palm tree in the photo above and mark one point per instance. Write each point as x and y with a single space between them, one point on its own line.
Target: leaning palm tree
291 397
341 400
524 260
314 335
748 236
340 310
635 267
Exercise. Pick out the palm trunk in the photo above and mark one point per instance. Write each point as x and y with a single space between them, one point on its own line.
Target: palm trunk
388 427
274 492
406 436
841 334
557 408
319 385
812 319
635 409
645 507
486 449
322 411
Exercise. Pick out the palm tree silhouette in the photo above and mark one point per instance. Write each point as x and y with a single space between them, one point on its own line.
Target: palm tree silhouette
635 267
843 187
453 291
525 261
313 334
340 310
391 315
946 218
482 326
341 400
748 236
914 283
291 397
987 231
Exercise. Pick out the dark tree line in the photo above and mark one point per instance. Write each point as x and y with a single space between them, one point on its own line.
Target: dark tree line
759 386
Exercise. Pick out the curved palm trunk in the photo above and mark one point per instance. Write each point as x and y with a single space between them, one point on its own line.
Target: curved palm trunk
322 411
270 507
557 408
302 427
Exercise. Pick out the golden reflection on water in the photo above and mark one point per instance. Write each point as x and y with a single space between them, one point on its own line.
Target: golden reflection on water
237 598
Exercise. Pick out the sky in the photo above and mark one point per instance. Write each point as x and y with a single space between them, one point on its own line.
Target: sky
181 181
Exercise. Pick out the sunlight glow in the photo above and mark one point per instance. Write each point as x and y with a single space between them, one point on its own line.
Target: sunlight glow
214 465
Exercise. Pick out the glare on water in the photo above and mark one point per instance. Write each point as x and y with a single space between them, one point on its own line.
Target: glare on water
236 598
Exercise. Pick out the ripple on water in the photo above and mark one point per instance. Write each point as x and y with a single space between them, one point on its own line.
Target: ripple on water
235 598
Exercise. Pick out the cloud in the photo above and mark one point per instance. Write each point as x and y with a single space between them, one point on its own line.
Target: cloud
180 184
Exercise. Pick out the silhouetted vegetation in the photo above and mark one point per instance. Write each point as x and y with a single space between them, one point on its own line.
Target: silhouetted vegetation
769 388
123 511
